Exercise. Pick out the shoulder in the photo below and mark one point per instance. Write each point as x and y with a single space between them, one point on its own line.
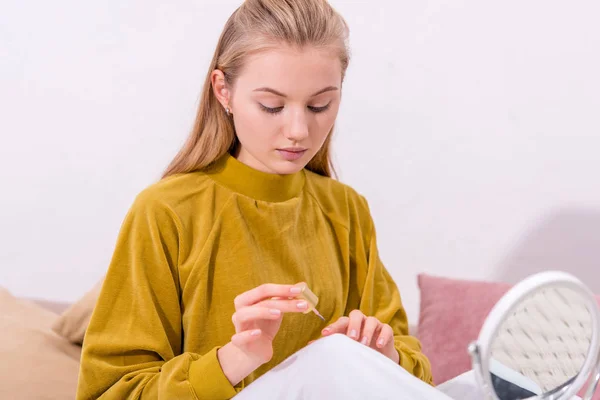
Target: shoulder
175 195
338 200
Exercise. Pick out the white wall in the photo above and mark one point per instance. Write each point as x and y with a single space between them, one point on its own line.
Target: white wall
472 127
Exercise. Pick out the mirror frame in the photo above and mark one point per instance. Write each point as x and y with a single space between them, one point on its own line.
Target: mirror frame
480 350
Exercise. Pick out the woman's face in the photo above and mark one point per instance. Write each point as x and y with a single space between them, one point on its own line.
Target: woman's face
284 104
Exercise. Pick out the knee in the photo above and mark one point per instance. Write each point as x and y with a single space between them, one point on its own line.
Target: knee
338 340
335 346
329 355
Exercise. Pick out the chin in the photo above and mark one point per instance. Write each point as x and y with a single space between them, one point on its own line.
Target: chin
288 167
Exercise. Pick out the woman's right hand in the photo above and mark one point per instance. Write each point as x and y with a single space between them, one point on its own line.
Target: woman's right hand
257 318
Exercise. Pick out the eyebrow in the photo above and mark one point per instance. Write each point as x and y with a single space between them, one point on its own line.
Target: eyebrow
275 92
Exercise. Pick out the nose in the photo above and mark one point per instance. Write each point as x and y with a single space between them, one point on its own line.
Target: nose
298 126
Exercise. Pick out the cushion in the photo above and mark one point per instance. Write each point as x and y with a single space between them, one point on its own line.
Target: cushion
451 315
73 323
36 362
57 307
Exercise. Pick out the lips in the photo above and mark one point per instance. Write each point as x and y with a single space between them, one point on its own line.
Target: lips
291 154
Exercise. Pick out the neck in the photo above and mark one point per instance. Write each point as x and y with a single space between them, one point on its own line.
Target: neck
250 182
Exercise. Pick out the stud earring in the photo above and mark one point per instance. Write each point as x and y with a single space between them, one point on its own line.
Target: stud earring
227 111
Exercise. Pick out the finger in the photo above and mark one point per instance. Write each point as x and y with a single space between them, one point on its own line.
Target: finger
248 314
371 326
286 306
264 292
243 338
355 324
339 326
295 294
385 336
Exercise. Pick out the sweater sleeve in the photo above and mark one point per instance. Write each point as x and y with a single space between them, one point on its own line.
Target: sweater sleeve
380 298
133 348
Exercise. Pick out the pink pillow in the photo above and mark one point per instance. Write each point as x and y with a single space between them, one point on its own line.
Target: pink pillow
451 316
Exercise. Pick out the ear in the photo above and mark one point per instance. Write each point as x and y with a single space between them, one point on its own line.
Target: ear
220 89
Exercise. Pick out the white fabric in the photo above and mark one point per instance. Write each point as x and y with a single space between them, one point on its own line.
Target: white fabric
337 367
463 387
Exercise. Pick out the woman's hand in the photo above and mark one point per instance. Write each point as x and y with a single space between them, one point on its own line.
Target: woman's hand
368 331
257 318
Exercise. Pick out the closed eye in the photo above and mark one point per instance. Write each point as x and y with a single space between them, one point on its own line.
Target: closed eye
275 110
271 110
319 109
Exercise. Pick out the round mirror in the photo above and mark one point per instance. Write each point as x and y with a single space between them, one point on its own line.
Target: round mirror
540 341
541 346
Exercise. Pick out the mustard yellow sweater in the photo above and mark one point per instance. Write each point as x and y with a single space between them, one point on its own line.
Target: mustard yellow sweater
192 242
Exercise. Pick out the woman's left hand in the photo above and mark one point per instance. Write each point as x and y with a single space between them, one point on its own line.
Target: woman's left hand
366 330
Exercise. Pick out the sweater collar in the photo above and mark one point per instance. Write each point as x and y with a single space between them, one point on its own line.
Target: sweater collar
240 178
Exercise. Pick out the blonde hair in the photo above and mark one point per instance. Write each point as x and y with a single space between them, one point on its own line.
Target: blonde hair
255 26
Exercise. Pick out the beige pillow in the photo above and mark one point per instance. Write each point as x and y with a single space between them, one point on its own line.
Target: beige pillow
36 362
73 323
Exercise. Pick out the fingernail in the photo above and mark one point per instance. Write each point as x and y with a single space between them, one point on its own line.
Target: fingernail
380 342
302 304
275 311
353 334
295 290
326 330
364 340
255 332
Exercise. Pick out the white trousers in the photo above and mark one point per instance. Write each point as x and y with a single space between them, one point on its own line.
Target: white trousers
337 367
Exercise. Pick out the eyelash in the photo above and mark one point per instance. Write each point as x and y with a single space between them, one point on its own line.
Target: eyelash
277 110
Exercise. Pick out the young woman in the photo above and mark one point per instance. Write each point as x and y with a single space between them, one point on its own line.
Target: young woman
201 295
